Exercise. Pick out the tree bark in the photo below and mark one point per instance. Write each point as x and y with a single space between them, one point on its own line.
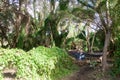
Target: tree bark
105 49
107 37
92 43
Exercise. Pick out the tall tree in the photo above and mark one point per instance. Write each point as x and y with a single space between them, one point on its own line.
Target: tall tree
102 8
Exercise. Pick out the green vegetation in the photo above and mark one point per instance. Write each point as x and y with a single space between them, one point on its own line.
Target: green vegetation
39 63
116 67
91 25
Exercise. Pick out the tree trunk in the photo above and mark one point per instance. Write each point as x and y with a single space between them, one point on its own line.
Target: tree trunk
104 57
88 40
107 38
92 43
17 30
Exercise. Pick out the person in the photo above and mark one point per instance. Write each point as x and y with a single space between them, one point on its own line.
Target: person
81 55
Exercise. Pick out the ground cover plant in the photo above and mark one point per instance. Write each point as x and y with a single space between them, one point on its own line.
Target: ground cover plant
40 63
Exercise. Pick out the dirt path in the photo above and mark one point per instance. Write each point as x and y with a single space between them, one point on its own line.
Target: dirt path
89 73
82 74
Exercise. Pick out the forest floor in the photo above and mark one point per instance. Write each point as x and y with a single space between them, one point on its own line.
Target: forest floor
87 72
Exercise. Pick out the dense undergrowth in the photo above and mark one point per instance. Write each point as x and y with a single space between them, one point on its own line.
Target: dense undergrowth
116 66
37 64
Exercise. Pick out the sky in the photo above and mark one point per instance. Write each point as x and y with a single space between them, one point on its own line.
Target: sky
14 1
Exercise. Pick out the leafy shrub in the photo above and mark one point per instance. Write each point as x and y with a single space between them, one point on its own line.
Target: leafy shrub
37 64
116 67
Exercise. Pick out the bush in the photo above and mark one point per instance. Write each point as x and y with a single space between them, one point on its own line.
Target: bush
39 63
116 66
